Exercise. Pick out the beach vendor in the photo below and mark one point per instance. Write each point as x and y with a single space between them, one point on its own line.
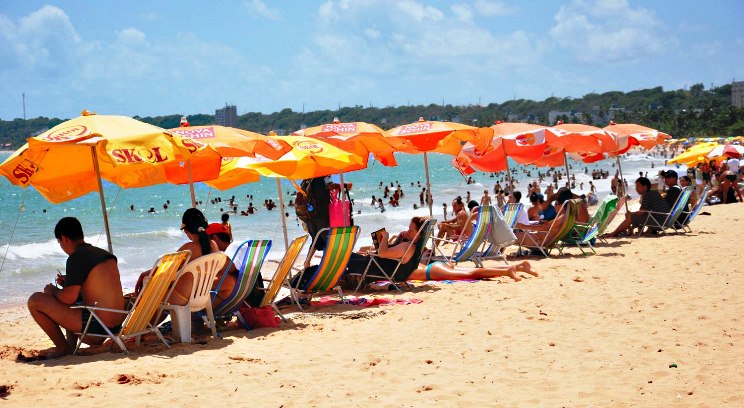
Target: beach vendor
92 275
651 200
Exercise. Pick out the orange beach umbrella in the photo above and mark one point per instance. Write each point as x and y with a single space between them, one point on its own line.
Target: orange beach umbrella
70 159
361 138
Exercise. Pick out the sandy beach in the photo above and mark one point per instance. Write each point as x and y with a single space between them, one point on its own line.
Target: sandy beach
651 322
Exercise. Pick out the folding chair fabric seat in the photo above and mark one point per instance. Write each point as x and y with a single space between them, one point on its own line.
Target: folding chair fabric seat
559 228
251 254
466 248
695 211
148 305
399 272
282 272
501 235
670 220
325 276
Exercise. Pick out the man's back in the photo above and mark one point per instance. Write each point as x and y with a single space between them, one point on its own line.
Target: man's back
103 288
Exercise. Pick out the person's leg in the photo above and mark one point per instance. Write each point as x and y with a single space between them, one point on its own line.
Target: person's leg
443 271
725 188
624 226
52 315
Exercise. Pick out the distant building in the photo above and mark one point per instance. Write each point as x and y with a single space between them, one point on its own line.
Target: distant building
227 116
737 94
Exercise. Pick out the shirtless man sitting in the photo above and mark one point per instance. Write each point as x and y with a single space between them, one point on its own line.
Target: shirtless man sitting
454 226
92 273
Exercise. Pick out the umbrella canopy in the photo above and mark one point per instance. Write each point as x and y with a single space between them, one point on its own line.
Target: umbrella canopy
59 164
523 142
308 158
440 137
694 155
233 142
584 139
631 134
361 138
70 159
729 150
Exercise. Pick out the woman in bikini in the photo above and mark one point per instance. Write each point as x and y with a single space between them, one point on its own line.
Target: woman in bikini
435 270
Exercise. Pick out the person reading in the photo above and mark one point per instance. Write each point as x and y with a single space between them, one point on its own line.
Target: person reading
92 275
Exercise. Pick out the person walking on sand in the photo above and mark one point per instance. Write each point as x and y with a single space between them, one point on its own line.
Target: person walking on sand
91 273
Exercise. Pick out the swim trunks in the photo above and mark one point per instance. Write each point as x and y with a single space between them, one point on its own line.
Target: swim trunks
428 269
95 327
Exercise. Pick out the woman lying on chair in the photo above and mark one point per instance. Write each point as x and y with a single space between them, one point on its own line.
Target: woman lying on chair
541 230
392 251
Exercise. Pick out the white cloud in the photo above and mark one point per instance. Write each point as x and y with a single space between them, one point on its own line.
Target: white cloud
493 8
372 33
131 36
260 9
607 30
462 12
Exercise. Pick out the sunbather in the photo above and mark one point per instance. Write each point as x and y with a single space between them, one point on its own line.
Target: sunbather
454 226
540 231
444 271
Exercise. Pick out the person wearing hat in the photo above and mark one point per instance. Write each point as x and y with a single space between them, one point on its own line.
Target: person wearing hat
673 192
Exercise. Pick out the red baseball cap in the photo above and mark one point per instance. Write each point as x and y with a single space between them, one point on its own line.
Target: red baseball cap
216 228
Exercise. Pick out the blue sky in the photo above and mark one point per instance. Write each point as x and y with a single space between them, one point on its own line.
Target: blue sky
151 58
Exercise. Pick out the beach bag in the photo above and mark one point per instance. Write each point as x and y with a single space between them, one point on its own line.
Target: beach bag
256 317
339 212
305 203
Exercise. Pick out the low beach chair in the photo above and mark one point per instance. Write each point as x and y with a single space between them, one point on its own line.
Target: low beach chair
559 228
465 248
696 210
500 235
610 217
670 218
511 213
325 276
146 308
282 271
399 272
251 255
585 234
204 270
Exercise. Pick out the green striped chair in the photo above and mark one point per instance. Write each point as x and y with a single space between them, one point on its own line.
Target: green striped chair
584 235
610 216
466 248
251 255
339 246
559 228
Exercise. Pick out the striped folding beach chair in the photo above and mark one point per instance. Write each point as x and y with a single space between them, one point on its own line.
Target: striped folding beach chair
282 271
466 248
250 255
559 228
325 276
147 307
585 234
511 213
670 221
696 210
610 217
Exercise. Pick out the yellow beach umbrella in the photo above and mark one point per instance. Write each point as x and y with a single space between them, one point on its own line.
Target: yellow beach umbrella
69 160
694 155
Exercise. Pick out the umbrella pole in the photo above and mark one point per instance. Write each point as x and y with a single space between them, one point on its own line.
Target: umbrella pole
191 184
103 200
428 187
568 175
343 196
622 180
284 218
508 172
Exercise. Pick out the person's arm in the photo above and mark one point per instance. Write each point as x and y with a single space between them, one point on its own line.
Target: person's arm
394 251
67 295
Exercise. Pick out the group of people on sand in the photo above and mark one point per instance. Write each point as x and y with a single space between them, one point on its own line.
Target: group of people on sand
92 277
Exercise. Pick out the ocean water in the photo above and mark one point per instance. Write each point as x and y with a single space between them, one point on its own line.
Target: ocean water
30 255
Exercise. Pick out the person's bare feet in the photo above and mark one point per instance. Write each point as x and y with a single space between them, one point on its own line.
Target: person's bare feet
512 273
525 267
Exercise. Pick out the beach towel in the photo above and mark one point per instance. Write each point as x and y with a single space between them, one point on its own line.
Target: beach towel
363 301
256 317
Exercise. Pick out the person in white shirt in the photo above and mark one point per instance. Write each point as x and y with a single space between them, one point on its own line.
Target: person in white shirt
522 217
731 179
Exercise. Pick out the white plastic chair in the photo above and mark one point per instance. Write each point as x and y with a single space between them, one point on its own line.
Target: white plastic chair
204 270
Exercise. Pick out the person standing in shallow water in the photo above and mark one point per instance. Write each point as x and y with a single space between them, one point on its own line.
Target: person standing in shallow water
91 274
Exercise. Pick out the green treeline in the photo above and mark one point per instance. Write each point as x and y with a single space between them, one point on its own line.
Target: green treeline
693 112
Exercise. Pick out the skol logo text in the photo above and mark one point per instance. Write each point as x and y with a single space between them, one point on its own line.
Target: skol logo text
138 155
24 170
